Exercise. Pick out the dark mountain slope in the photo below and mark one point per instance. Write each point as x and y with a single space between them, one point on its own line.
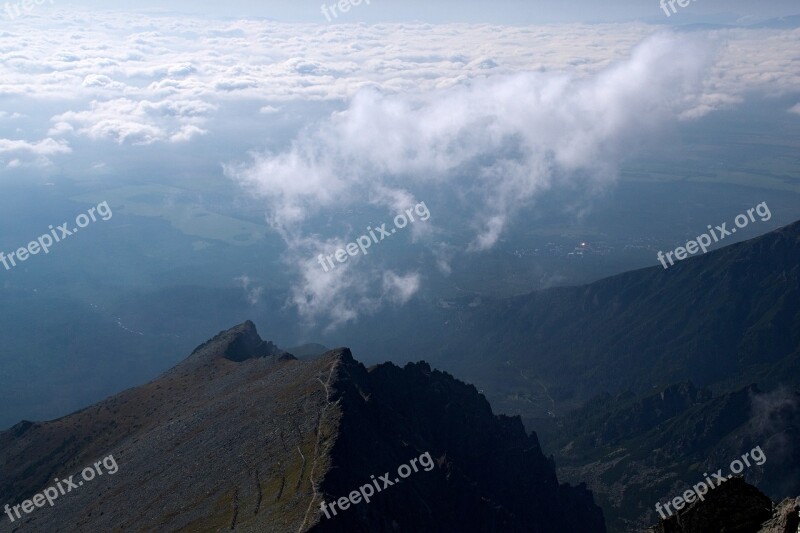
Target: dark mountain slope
636 451
734 507
724 321
242 436
727 318
491 475
188 446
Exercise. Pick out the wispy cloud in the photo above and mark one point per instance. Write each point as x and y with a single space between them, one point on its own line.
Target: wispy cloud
498 113
137 122
499 142
36 153
252 291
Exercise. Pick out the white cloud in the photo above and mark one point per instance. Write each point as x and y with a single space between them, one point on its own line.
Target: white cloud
500 113
60 128
34 154
518 132
101 81
337 296
45 147
112 61
137 122
492 145
795 109
186 133
252 291
82 55
399 288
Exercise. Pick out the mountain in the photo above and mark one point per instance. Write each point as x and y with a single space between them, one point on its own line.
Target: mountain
781 23
634 451
724 319
639 382
734 506
243 436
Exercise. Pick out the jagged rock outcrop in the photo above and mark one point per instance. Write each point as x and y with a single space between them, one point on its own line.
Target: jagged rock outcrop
737 507
786 518
491 475
635 450
241 436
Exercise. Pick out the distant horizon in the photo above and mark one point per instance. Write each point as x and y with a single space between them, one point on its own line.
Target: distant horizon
510 12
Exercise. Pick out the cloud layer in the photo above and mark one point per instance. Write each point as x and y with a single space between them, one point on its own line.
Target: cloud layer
487 117
139 79
489 146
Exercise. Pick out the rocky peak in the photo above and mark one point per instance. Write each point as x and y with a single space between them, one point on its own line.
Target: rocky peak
253 443
238 344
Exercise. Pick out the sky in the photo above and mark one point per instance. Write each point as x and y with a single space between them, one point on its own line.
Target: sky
494 11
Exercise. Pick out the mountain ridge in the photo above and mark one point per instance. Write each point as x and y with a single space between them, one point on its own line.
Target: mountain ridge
639 329
252 438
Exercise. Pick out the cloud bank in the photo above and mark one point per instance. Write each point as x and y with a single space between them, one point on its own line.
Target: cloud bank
138 79
491 146
485 116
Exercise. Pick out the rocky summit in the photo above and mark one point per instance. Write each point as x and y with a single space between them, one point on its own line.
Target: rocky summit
243 436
